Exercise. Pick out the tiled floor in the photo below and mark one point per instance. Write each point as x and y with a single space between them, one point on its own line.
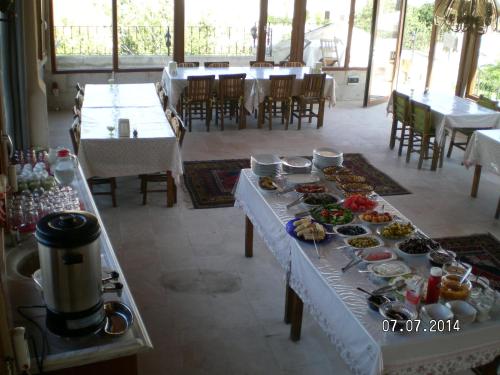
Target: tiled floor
210 310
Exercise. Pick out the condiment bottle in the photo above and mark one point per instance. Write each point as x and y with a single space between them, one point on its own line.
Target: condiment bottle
412 296
433 285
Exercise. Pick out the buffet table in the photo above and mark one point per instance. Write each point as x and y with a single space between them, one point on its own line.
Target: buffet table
65 352
257 84
102 154
483 150
452 112
341 310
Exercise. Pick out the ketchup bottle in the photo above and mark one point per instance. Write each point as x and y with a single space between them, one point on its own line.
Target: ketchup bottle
433 286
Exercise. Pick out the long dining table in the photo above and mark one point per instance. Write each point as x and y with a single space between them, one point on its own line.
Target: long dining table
106 154
333 300
257 83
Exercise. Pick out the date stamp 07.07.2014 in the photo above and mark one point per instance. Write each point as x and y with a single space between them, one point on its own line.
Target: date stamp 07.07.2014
416 325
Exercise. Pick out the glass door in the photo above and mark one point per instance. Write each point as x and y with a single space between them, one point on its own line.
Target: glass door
384 50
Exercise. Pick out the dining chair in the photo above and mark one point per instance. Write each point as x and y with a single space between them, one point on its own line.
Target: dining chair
162 95
74 133
79 100
467 132
77 113
216 64
329 52
311 92
188 64
423 135
179 130
198 99
79 88
400 120
261 64
292 64
231 96
280 92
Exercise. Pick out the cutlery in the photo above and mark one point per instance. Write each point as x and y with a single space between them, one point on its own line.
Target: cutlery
316 247
367 292
302 214
389 288
295 202
466 274
351 264
278 188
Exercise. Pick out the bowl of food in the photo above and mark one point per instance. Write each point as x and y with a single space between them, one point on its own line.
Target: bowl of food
376 217
452 289
398 312
359 203
396 231
376 255
352 188
332 214
267 183
363 242
333 171
310 188
319 199
440 257
374 302
348 178
415 247
352 230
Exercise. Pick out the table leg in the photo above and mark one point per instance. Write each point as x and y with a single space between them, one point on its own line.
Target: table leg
475 181
288 304
248 238
170 189
297 309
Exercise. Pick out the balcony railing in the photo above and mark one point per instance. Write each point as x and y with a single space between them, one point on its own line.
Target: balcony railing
204 40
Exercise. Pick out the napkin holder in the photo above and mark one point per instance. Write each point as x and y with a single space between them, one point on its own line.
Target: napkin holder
172 68
124 127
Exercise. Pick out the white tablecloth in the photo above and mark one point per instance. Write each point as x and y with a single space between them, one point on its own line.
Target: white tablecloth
120 95
154 150
256 82
341 310
450 111
484 149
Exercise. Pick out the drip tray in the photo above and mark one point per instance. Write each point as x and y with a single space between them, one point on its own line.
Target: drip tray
119 318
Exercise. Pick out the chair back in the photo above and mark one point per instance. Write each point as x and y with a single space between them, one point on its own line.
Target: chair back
232 86
420 117
292 64
261 64
483 101
200 88
217 64
79 88
74 133
79 100
77 113
163 98
190 64
313 85
401 107
281 86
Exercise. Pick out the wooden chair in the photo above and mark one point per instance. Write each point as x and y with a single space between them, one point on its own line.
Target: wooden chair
292 64
329 52
79 88
188 64
179 130
79 100
231 96
261 64
280 92
421 134
216 64
74 133
199 94
483 102
162 95
77 113
400 115
311 92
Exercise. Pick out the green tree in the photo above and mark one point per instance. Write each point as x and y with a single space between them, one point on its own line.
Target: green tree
488 81
418 26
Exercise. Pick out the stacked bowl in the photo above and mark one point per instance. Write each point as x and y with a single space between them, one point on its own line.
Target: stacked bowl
296 164
327 157
265 165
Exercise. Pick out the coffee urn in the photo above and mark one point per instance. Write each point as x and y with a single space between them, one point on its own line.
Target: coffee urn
70 262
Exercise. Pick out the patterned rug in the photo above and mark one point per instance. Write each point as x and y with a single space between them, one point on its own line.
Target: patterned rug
482 251
210 183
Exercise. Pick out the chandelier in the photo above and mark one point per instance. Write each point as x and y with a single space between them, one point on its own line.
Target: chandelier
467 15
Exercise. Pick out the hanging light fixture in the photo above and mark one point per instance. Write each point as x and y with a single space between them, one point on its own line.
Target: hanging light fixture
467 15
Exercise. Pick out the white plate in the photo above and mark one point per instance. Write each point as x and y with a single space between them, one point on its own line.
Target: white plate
366 252
327 153
266 159
296 162
380 242
302 178
389 269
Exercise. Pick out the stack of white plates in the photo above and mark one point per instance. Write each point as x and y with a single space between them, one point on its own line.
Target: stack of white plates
265 165
296 165
327 157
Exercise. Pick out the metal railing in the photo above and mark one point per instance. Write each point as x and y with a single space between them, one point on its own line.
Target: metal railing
157 40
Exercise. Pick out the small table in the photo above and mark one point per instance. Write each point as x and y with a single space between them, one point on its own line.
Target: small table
108 155
483 150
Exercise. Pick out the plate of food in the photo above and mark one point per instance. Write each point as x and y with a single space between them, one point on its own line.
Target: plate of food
363 242
376 255
389 269
267 183
333 214
376 217
310 188
352 230
359 203
409 279
336 170
319 199
397 230
349 178
307 230
356 187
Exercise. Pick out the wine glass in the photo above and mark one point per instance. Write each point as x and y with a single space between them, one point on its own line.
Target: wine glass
111 129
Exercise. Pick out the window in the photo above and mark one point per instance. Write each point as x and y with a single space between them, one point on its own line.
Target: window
279 29
360 45
145 33
486 80
221 31
83 34
416 45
